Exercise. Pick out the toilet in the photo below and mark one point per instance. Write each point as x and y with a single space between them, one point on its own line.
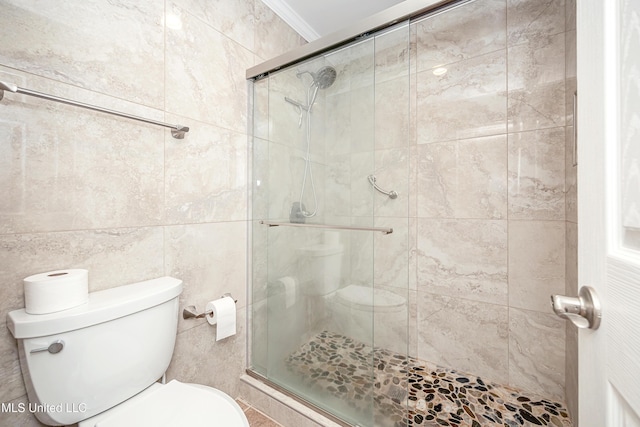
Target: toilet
358 311
320 267
351 308
98 364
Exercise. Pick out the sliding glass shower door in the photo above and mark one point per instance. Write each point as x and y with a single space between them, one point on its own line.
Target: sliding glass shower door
329 217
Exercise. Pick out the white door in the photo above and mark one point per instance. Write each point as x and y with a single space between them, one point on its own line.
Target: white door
608 35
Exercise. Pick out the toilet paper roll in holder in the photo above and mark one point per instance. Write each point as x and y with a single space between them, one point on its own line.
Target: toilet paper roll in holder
190 311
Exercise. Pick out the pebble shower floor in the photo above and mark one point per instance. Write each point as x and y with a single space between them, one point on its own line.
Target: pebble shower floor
411 392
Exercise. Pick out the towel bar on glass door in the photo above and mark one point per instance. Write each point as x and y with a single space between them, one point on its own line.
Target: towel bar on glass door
177 131
384 230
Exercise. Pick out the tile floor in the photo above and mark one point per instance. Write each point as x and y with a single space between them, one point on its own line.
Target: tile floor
255 417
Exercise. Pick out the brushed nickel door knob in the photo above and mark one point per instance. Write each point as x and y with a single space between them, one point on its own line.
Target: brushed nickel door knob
584 311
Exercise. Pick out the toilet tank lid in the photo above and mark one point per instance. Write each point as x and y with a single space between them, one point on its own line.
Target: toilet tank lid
102 306
321 249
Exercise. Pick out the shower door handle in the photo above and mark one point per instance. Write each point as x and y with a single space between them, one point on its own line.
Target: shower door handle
583 311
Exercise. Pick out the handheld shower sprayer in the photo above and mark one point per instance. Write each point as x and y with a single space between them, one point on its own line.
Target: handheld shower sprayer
321 79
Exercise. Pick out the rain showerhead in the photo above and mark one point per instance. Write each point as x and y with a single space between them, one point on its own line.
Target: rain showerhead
323 78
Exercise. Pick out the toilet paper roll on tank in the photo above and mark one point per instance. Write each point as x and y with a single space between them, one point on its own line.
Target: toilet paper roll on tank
55 291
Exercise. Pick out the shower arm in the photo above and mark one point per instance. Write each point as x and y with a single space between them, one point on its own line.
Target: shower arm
392 194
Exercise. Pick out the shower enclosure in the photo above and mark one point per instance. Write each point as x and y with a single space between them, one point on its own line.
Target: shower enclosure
319 132
410 215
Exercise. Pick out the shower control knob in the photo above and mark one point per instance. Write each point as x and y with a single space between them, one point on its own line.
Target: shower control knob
583 311
53 348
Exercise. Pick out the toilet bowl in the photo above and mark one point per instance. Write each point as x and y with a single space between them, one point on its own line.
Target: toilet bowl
98 364
359 312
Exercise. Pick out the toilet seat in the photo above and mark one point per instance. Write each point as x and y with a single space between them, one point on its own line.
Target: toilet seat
359 297
173 404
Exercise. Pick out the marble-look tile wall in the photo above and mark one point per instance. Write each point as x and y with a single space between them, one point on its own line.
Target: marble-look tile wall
123 199
491 236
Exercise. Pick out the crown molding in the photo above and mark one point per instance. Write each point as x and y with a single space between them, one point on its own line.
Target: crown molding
291 17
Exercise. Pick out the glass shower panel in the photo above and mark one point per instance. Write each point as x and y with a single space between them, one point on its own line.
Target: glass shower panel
259 202
320 129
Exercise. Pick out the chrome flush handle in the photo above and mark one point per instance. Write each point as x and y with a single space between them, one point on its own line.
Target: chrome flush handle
53 348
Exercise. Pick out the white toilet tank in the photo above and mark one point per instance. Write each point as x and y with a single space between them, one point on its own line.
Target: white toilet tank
320 268
106 351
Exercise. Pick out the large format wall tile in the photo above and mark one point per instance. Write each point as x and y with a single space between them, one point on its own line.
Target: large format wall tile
337 187
200 359
210 261
66 168
205 76
206 175
464 32
286 170
532 20
100 46
392 54
390 263
392 118
137 253
463 257
10 372
272 35
536 84
468 101
463 179
392 174
536 263
536 174
231 18
464 335
537 352
363 197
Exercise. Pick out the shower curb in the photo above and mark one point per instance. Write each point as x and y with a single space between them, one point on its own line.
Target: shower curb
263 396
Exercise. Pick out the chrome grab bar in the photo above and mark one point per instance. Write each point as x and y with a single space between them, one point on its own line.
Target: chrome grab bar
177 131
333 227
392 194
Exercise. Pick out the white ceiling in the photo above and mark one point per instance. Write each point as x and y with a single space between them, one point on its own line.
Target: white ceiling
315 19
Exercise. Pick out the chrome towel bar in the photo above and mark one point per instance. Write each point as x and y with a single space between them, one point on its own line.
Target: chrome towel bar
384 230
177 131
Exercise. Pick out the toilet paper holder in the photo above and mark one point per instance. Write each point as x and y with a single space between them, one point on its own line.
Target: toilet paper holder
190 311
